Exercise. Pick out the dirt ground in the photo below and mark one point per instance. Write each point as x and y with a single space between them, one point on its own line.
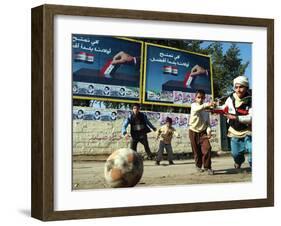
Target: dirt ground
90 174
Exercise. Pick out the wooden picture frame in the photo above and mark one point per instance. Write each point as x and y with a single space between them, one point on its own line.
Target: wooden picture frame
42 203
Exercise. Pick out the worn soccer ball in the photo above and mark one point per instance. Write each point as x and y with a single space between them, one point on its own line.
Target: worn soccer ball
123 168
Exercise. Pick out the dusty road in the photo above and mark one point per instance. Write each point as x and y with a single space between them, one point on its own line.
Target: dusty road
89 174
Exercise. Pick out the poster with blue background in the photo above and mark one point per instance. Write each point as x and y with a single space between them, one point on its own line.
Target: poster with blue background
99 71
172 76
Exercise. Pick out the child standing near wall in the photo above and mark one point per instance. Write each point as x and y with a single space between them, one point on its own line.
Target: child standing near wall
200 133
166 133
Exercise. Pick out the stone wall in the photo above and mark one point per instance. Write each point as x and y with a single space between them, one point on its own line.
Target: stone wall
103 135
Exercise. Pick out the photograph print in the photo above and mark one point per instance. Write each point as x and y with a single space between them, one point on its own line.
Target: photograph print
160 112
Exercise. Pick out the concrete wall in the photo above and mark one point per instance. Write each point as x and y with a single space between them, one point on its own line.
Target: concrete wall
102 137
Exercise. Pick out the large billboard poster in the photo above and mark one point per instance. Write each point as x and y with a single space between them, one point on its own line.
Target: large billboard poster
106 68
172 76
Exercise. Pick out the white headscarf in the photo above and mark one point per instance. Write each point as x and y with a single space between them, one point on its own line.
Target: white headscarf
242 80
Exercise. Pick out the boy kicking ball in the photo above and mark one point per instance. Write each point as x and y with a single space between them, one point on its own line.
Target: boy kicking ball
200 133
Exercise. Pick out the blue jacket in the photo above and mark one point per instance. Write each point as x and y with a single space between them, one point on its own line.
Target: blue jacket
129 120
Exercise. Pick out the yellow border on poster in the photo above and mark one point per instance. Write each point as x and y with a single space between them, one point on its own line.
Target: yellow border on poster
140 82
172 48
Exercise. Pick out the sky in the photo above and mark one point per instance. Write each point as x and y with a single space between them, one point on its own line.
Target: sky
246 54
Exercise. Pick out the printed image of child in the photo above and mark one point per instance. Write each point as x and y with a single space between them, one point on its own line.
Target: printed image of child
165 133
200 133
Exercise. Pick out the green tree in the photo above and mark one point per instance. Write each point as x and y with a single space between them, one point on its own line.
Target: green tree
194 46
216 51
233 65
226 66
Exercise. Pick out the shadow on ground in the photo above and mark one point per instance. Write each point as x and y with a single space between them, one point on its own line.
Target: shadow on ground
232 171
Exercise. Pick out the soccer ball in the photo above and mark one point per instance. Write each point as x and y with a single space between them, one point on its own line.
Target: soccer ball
123 168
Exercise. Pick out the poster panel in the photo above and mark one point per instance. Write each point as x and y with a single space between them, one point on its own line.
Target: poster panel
100 70
172 76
